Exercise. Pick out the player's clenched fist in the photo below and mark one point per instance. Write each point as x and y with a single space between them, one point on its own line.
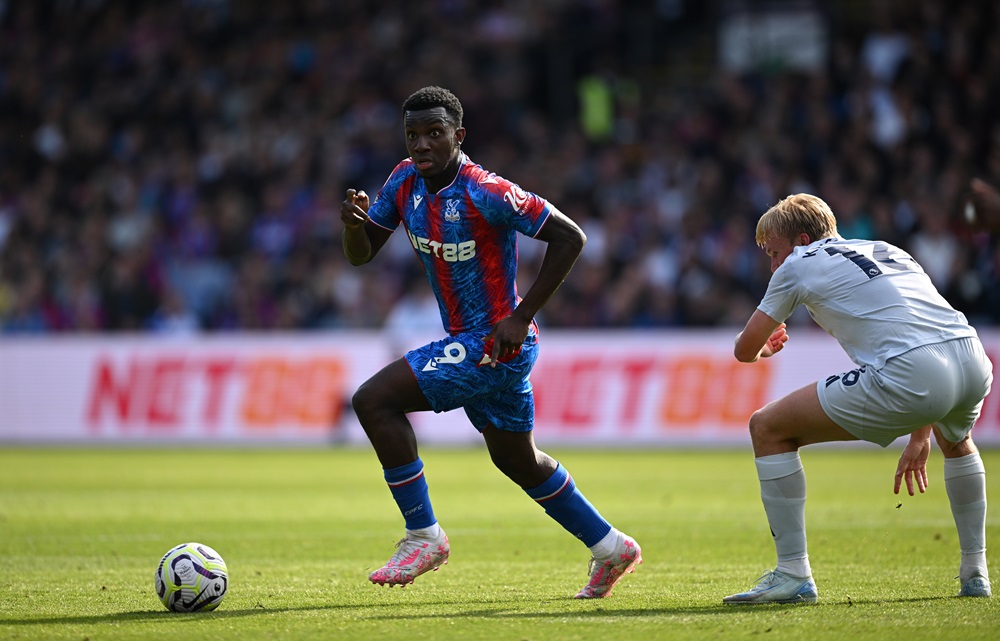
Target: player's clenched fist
354 209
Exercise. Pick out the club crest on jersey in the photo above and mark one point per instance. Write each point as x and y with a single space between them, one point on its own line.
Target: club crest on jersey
517 198
451 211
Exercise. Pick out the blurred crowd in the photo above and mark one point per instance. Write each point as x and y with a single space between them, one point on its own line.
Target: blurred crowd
178 166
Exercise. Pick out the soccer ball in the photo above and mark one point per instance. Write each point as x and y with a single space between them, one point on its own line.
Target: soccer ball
191 578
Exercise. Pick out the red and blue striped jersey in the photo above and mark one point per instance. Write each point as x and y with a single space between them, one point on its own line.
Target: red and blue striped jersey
465 236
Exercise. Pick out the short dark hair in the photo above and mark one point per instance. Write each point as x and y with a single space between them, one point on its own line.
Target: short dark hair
430 97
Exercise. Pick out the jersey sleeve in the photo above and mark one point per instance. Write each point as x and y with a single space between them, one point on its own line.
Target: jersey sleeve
783 294
385 211
505 204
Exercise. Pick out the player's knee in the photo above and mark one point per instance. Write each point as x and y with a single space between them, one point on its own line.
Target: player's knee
759 426
366 402
954 450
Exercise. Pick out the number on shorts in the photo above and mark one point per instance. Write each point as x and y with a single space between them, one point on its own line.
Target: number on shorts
849 379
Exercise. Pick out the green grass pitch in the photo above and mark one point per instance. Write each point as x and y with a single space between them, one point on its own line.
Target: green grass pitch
81 532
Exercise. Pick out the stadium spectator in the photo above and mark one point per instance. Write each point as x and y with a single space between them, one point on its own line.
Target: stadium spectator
921 368
215 132
463 221
983 207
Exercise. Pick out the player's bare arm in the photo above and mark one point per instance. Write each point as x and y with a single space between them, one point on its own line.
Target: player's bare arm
565 244
361 240
762 337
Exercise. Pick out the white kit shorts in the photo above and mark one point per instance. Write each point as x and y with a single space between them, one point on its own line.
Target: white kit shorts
941 384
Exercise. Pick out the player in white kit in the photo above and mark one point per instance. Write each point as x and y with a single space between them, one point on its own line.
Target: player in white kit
921 369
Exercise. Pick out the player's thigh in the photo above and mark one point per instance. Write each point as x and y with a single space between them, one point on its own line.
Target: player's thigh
797 417
393 388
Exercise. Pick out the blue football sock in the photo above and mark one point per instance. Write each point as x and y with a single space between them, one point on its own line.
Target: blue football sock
570 508
409 489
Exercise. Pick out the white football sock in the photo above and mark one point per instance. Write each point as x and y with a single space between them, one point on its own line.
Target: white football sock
430 533
606 546
965 482
783 492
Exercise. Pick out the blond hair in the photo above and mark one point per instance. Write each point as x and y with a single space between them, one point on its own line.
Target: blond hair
794 215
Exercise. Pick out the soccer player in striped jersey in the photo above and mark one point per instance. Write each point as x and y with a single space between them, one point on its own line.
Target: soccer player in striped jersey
462 222
921 369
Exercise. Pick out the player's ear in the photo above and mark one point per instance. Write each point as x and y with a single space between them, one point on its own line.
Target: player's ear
459 135
803 239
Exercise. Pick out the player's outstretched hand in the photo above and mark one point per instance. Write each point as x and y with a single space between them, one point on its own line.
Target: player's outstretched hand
354 209
913 465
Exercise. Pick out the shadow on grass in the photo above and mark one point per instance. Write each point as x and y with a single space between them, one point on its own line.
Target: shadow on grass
602 611
501 611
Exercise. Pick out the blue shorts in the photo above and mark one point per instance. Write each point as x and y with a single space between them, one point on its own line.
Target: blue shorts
450 376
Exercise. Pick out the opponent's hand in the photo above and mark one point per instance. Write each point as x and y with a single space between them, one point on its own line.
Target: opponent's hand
354 209
775 343
913 465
